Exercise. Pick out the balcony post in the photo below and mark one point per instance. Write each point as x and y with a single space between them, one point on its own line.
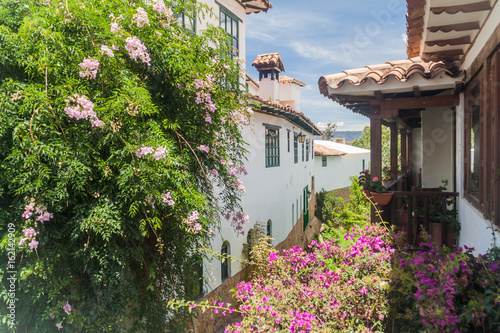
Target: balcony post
394 150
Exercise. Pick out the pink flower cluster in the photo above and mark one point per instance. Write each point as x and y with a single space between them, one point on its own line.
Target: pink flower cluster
158 153
115 26
192 222
160 7
167 198
204 97
67 310
136 49
204 148
84 109
41 211
107 51
29 235
237 221
90 67
318 290
140 18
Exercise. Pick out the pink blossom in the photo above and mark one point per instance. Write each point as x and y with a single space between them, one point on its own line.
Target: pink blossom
90 67
204 148
59 326
28 208
114 47
29 232
33 244
160 152
137 49
375 179
67 308
106 50
140 18
52 316
27 214
21 242
45 217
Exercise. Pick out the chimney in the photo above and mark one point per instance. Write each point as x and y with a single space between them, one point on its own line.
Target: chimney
269 67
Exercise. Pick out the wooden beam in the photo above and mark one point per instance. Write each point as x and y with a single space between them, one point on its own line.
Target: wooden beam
465 8
352 97
455 27
376 147
464 40
403 124
394 150
378 95
449 55
486 51
409 150
416 91
417 102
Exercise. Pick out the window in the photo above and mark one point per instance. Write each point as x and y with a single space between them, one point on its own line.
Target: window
295 148
293 215
307 150
229 22
312 149
481 139
272 147
195 278
288 139
302 151
225 262
269 228
186 21
473 116
323 161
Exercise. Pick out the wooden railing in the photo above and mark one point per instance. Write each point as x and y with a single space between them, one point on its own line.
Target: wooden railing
417 207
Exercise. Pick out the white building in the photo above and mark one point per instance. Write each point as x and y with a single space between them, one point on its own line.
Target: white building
280 168
335 162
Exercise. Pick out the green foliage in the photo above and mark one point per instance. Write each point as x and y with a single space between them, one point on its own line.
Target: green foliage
114 248
365 142
341 216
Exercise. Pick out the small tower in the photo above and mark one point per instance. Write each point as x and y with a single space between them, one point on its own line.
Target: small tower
269 66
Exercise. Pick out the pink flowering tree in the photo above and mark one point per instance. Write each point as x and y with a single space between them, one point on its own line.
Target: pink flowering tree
117 124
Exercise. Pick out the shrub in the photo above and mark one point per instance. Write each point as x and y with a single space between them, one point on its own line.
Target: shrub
330 288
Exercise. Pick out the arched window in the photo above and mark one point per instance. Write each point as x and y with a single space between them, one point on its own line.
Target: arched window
269 228
225 262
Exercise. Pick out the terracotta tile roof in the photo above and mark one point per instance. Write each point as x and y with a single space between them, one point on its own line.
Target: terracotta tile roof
268 61
256 6
403 70
286 79
320 150
288 112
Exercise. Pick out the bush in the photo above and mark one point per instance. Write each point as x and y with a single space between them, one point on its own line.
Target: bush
340 216
330 288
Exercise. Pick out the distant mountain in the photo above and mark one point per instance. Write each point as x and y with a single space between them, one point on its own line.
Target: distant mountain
348 135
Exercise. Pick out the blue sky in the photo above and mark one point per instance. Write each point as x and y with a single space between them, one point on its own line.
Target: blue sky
320 37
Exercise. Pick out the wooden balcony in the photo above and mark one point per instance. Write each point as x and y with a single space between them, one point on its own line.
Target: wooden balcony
430 209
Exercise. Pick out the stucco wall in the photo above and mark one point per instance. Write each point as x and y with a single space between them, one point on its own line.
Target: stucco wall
338 170
270 192
436 147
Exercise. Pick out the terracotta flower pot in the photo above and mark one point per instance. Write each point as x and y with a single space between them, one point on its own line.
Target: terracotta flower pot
382 199
436 231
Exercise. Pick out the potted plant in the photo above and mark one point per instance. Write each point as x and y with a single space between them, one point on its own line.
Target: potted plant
377 191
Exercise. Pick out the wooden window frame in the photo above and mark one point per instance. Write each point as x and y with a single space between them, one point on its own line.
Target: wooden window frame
272 147
488 199
324 161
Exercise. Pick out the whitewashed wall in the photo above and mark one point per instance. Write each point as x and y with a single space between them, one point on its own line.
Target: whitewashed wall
436 147
270 192
338 170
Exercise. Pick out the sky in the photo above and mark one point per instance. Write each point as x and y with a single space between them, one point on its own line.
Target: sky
321 37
